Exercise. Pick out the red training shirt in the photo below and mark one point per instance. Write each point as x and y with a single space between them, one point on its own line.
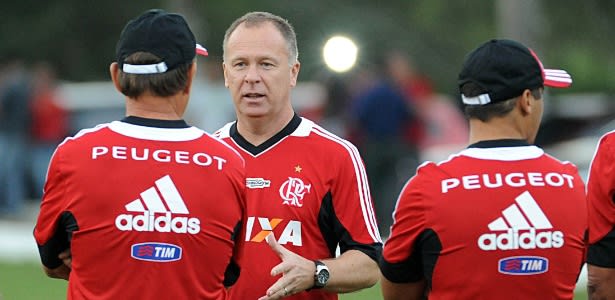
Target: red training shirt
601 204
149 209
309 188
499 220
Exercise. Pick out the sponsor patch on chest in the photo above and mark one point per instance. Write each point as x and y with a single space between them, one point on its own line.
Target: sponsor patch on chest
523 265
156 252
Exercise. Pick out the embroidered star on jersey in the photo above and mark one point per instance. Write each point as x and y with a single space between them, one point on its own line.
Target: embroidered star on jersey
298 169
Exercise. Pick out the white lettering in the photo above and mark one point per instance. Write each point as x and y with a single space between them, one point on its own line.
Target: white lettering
134 155
159 155
497 183
512 240
448 184
119 152
292 234
149 222
471 182
535 179
509 179
570 179
98 151
554 179
182 157
204 163
221 161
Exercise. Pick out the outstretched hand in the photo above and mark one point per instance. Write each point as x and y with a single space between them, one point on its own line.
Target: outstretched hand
297 272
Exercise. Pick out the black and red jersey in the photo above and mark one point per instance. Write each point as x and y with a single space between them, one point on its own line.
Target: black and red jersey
499 220
601 204
149 209
309 188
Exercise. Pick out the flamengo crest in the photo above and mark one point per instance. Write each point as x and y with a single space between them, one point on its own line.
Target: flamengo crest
293 190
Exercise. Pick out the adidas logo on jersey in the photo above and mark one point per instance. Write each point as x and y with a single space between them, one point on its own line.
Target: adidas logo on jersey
523 224
154 215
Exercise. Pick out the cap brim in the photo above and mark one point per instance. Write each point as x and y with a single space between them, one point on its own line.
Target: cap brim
200 50
557 78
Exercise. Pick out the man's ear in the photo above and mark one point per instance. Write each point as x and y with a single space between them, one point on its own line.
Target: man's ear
114 71
225 75
526 102
191 75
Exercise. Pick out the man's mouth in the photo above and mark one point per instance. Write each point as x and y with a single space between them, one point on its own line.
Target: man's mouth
253 95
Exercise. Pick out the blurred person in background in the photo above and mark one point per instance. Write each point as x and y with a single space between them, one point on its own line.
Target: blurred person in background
15 98
439 124
307 191
50 123
601 207
380 118
501 219
148 206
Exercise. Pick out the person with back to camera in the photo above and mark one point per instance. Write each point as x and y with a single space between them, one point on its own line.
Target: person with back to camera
148 206
501 219
307 191
601 214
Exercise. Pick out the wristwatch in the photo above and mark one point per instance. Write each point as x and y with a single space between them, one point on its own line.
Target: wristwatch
321 276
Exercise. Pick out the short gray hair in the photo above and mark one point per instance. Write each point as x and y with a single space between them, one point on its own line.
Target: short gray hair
256 18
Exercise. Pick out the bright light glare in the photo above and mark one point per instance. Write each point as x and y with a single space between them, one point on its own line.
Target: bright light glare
340 53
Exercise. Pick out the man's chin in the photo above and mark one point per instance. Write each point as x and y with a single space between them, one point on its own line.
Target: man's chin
254 113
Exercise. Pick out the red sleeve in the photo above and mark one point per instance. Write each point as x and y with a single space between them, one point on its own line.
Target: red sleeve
352 200
398 264
600 188
46 232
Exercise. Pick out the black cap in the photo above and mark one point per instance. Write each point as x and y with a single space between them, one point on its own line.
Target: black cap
504 69
163 34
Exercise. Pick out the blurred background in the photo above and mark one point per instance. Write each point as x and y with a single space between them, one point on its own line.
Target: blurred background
386 80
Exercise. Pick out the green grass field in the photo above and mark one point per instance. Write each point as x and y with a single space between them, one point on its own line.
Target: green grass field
26 281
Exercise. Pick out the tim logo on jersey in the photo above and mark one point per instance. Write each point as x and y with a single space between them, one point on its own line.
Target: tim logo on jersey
154 215
293 190
156 252
291 234
523 225
523 265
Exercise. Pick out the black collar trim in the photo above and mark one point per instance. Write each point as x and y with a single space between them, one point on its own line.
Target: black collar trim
255 150
155 122
500 143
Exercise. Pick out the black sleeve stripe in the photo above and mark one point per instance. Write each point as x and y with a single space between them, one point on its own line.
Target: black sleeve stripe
231 275
60 241
419 265
236 231
602 253
334 232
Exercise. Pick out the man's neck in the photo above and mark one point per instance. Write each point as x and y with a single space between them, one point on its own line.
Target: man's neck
151 107
258 130
495 129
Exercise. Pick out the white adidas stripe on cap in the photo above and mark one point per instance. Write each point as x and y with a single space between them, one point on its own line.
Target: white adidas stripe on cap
557 78
200 50
156 68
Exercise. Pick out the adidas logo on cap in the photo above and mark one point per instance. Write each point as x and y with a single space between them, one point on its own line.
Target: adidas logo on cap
155 215
521 221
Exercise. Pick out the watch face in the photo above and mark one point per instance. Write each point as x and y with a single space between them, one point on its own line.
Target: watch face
323 277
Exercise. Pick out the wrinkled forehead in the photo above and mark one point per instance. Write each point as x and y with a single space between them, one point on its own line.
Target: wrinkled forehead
262 40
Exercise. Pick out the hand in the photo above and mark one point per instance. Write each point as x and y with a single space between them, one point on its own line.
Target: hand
297 272
66 257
